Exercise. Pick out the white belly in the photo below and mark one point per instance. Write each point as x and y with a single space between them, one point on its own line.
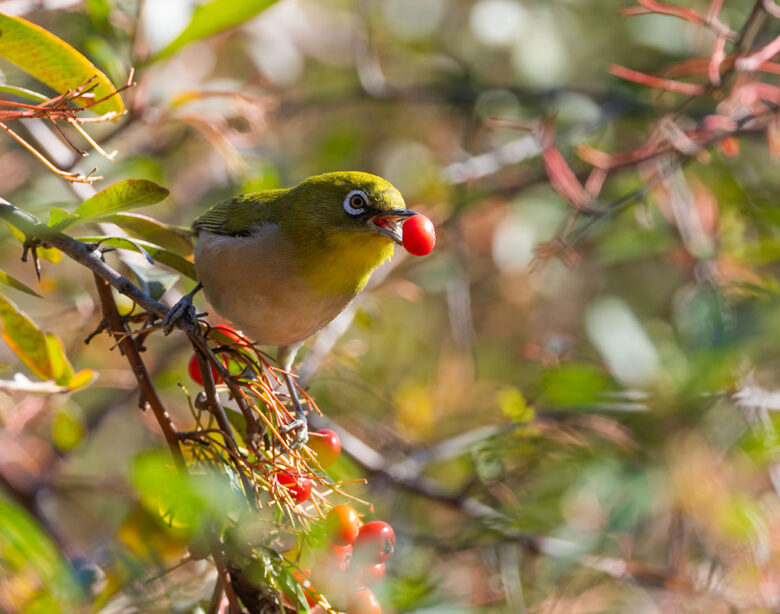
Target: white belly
254 283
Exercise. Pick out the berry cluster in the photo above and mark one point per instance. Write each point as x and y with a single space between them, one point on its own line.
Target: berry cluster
354 559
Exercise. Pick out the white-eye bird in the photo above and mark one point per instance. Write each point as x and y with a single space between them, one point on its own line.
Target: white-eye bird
281 264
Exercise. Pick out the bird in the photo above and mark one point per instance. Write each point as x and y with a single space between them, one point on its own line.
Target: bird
281 264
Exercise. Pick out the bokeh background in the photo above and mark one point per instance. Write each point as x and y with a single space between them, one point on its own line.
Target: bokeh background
594 433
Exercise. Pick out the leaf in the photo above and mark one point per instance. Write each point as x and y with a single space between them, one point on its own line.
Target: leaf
35 571
176 262
52 254
573 384
213 17
128 194
53 61
172 238
58 216
6 279
22 92
99 11
153 282
61 369
25 339
514 406
82 378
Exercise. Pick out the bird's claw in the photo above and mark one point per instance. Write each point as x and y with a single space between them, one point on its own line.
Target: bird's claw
301 435
182 310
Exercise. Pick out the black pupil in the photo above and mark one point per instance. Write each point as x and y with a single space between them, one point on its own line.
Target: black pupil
357 201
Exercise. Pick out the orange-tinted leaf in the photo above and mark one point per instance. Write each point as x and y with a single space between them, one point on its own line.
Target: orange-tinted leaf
25 339
53 61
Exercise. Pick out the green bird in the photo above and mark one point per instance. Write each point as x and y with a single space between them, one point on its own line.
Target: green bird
281 264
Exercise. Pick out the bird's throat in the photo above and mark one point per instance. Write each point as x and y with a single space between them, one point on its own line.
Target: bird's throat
343 264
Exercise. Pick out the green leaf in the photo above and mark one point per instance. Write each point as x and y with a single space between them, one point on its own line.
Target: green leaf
52 254
68 427
213 17
25 339
153 282
128 194
54 62
30 560
22 93
172 238
176 262
99 11
573 384
62 217
6 279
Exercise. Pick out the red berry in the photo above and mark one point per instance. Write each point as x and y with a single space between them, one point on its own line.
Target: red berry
194 370
419 236
298 485
340 556
363 601
327 445
227 335
371 574
343 524
729 147
375 542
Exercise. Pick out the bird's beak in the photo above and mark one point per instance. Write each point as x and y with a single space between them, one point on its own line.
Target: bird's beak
388 223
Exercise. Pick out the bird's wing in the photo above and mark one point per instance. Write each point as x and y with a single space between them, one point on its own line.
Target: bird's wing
239 216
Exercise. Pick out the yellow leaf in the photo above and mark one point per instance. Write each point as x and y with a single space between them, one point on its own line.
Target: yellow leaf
54 62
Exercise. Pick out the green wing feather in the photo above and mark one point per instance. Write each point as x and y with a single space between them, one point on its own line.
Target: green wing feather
240 215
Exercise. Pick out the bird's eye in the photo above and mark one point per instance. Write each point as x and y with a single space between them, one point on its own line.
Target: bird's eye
356 202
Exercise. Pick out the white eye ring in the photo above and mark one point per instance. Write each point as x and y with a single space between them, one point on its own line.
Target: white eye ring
356 202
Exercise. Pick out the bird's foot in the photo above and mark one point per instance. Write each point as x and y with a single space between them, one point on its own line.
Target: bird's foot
182 310
301 427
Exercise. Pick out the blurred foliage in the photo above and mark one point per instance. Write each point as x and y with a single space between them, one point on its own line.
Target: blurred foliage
552 438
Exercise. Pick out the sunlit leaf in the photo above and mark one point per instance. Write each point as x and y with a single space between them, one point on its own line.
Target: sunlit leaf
128 194
25 339
61 369
177 240
52 254
176 262
61 217
6 279
213 17
54 62
81 379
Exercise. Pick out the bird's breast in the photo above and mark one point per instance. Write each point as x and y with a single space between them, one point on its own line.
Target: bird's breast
257 283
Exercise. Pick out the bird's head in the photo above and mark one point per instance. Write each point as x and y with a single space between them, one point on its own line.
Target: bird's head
344 225
350 204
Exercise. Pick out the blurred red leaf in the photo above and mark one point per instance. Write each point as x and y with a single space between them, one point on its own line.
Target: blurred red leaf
649 6
603 160
563 179
658 83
